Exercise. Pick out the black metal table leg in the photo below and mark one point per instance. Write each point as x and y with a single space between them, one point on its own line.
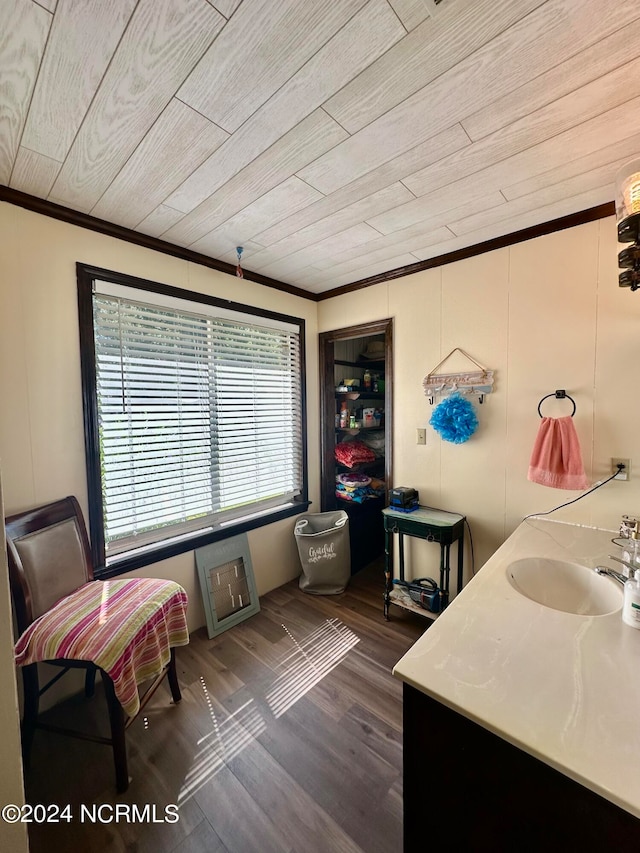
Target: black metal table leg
445 551
388 570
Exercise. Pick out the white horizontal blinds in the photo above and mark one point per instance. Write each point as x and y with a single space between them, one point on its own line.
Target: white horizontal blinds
199 419
257 415
154 415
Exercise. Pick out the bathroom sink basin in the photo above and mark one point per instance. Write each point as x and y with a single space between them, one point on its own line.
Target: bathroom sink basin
565 586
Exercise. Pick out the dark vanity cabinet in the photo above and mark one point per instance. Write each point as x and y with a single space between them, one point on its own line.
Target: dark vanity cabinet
466 789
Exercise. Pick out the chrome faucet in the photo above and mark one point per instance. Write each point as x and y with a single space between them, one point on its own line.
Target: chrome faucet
625 563
605 570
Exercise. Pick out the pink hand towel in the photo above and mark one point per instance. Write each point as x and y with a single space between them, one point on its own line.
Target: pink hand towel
556 459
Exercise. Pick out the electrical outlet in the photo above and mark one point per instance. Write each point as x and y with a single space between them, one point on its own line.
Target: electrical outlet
421 436
625 474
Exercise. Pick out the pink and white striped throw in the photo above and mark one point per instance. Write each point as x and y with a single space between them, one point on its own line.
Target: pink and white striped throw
126 627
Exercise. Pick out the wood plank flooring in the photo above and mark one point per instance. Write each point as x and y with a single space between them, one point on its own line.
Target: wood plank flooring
288 740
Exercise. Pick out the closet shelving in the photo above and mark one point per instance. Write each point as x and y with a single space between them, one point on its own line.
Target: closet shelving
340 359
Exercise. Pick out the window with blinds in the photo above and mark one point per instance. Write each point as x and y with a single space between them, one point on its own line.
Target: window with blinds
198 415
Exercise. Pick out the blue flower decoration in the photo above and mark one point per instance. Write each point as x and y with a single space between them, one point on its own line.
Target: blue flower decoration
455 419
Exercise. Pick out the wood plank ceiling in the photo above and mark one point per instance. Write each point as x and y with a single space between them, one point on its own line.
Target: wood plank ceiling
332 139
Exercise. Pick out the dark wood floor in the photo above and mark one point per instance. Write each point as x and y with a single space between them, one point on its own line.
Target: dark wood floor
288 740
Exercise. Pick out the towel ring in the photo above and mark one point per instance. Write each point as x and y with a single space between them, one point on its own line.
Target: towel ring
559 395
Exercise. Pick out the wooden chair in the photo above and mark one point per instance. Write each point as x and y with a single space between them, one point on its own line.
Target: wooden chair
49 560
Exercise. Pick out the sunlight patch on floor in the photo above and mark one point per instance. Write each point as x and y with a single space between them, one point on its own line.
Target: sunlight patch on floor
227 738
304 666
309 662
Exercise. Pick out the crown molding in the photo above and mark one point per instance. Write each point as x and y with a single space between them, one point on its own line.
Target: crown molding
83 220
570 221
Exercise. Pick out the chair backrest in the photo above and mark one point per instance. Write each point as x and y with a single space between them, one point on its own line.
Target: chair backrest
49 557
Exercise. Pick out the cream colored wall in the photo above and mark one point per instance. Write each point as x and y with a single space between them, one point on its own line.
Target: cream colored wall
544 314
13 836
41 426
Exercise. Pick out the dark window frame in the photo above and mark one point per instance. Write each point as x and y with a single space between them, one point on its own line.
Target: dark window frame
86 274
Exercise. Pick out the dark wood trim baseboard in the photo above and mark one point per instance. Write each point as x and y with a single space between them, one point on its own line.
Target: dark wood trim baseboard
570 221
83 220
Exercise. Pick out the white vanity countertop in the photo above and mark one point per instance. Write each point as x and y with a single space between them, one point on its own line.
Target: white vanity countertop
562 687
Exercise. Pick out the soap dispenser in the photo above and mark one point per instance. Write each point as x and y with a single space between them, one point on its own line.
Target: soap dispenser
631 552
631 603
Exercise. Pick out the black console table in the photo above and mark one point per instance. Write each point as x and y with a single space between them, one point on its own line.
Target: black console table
434 525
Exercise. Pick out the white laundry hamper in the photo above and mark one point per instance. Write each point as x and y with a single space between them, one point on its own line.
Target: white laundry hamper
323 546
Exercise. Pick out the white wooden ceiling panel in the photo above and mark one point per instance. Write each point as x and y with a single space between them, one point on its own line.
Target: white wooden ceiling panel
83 37
164 40
450 140
525 143
159 221
34 173
380 249
528 47
225 7
535 201
177 143
432 49
619 152
584 201
587 65
577 107
341 58
512 153
425 232
437 203
367 150
331 140
24 27
315 134
291 195
264 44
410 12
337 280
347 239
384 199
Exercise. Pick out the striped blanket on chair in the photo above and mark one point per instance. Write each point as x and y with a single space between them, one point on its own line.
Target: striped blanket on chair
126 627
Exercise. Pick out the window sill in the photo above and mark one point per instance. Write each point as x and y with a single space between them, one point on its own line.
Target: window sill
162 551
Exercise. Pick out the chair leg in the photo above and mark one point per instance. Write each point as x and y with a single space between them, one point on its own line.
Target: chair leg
90 682
172 675
31 696
118 742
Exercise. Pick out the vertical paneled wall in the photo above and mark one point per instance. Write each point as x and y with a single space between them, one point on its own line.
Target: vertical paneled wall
544 314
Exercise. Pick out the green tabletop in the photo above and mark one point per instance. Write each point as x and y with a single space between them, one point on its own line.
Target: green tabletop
427 515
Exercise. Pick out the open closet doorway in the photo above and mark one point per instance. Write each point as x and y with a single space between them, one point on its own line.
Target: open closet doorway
356 394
